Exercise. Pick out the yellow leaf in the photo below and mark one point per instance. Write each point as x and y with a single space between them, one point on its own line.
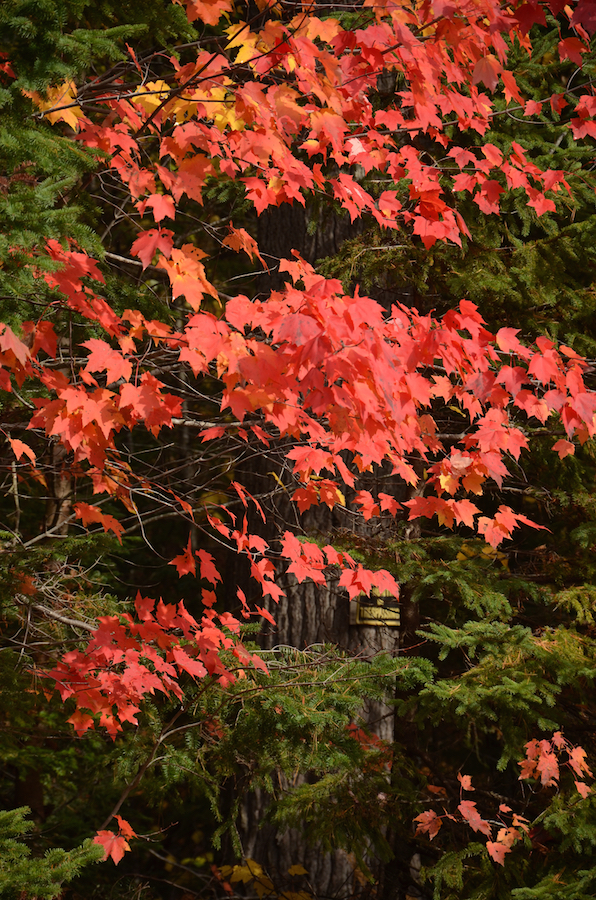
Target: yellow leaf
466 552
151 95
279 481
62 99
241 873
448 483
226 115
298 869
247 872
181 109
445 517
275 183
233 33
263 886
241 38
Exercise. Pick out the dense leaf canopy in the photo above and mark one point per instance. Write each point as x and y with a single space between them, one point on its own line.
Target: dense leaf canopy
138 154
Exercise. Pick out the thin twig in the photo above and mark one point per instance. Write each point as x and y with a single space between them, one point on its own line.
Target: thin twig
66 620
15 492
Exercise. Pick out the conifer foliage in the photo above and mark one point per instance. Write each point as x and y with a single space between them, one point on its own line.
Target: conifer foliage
142 142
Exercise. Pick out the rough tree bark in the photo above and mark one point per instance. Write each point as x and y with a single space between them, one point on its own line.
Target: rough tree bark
309 614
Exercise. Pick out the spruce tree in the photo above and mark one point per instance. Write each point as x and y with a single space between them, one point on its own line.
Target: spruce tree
23 877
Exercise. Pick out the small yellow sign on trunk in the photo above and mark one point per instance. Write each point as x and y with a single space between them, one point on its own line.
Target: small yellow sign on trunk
380 609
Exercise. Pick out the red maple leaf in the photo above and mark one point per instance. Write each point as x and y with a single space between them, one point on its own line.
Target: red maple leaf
564 448
208 11
88 514
488 197
470 813
115 845
149 242
511 89
187 274
10 343
194 667
582 788
126 828
572 48
547 765
577 761
428 823
44 337
367 504
104 359
81 722
207 566
465 781
508 342
240 239
302 569
487 70
497 851
464 511
185 562
306 496
539 202
163 206
585 14
388 504
533 108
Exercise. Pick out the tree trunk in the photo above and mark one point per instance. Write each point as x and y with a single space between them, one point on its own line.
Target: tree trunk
308 614
59 500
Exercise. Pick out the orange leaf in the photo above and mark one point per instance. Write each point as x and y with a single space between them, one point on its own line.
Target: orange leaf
62 100
240 239
125 828
497 851
465 781
115 845
428 823
468 810
582 788
20 448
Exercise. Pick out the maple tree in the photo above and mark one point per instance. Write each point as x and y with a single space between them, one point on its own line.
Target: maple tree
275 108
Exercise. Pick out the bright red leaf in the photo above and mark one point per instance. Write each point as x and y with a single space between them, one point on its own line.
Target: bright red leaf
185 562
115 845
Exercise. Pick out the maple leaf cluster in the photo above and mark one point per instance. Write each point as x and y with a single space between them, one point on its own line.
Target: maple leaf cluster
349 384
542 763
283 110
127 660
115 845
